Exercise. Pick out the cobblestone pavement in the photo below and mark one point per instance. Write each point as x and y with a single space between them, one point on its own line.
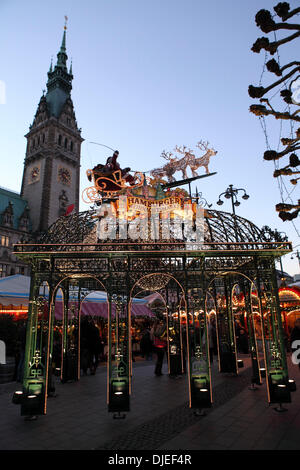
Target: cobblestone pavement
159 418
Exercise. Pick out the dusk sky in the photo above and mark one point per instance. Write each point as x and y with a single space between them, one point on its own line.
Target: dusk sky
150 75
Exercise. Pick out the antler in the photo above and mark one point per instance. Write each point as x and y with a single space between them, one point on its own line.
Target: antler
166 155
204 146
180 150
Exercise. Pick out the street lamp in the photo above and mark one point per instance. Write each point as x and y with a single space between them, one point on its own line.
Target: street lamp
231 193
296 253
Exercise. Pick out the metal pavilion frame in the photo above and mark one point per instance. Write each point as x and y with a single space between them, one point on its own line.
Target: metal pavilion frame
119 267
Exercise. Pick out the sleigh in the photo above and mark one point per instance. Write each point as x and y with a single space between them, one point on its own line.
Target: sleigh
109 184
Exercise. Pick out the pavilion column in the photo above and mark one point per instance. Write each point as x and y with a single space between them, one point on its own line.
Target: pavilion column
256 374
199 360
118 355
274 345
174 310
36 352
225 329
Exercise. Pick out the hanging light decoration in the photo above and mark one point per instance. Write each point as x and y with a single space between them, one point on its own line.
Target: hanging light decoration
154 282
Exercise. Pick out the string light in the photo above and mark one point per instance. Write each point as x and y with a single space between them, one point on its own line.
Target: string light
285 194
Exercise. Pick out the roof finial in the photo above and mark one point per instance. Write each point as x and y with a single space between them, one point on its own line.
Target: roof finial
51 65
63 46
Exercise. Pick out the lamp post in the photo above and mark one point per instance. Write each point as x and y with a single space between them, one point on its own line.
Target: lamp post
297 254
231 193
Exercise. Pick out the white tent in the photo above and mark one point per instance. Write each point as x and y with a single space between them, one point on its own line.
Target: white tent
14 290
295 284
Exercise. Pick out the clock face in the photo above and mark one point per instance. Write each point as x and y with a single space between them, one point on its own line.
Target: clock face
34 174
64 175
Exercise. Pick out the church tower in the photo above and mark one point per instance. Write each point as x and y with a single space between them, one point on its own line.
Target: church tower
52 163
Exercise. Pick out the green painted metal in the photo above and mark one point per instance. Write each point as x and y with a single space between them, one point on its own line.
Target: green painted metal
256 374
199 361
119 270
36 353
225 326
119 368
274 347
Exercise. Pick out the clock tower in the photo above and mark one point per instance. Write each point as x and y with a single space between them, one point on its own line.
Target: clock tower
52 162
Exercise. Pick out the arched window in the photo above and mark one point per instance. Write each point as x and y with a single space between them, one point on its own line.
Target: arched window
71 146
59 139
43 138
66 143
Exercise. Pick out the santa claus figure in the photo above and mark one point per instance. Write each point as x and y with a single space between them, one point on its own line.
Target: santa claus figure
110 167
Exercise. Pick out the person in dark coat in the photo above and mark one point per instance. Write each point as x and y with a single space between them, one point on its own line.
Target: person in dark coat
22 346
146 344
243 342
84 351
160 344
94 346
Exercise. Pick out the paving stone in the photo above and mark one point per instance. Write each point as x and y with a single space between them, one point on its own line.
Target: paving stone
159 417
241 444
288 445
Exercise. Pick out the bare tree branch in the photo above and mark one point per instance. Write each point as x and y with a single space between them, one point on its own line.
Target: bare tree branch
258 92
264 43
260 110
282 10
290 95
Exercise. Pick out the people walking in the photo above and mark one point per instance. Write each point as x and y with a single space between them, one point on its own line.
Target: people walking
160 343
146 344
211 331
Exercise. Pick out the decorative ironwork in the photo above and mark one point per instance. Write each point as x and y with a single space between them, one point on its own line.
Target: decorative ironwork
218 227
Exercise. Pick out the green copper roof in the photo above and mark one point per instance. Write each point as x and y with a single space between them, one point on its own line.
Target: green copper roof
18 204
59 83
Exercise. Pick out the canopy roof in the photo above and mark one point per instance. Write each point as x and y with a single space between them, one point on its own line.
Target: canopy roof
218 227
14 290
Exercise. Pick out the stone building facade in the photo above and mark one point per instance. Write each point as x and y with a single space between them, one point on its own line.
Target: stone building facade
52 162
15 226
50 183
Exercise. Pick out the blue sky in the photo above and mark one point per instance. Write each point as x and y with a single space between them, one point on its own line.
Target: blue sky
149 75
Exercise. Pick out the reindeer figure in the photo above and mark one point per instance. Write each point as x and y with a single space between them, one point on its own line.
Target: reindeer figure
195 163
183 163
167 170
189 159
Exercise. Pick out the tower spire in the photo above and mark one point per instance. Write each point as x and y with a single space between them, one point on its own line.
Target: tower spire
59 83
63 42
62 54
51 66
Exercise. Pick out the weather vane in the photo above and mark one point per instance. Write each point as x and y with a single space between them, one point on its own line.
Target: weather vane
66 20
